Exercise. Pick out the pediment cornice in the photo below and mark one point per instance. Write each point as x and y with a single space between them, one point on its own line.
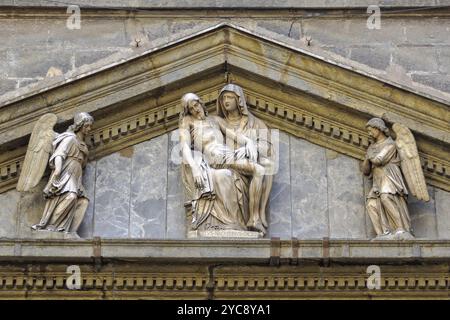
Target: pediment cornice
309 97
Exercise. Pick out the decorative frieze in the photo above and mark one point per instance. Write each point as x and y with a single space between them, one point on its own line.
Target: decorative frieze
291 282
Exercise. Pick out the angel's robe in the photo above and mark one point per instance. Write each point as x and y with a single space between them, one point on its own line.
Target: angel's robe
63 194
386 172
74 154
386 203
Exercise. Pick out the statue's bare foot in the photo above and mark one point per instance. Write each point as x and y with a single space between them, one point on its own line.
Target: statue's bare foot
36 227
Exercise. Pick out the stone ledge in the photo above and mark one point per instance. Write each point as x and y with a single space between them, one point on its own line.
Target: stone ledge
260 250
44 234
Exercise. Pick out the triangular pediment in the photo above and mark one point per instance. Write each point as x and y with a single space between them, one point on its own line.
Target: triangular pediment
136 98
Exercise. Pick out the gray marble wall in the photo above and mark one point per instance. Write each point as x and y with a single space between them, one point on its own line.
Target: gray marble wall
137 193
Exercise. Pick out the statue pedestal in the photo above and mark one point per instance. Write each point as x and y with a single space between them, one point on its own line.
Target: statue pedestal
224 234
45 234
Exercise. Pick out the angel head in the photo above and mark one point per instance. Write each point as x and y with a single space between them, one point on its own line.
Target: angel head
82 122
377 127
192 105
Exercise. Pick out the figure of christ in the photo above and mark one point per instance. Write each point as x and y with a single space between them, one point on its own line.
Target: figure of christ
204 134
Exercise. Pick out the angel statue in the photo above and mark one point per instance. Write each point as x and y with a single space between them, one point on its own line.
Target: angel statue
390 163
66 155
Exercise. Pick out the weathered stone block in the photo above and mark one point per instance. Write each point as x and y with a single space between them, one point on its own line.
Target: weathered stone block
352 31
357 31
376 57
31 208
280 211
90 56
110 33
370 231
149 189
86 228
290 29
332 36
442 201
9 202
423 216
345 197
176 215
440 82
343 51
7 85
444 60
29 62
154 28
309 190
177 26
416 59
112 195
426 32
25 82
15 33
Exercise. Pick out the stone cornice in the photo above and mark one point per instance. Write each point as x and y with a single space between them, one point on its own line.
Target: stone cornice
257 251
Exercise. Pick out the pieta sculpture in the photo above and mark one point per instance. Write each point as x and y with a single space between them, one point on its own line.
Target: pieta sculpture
226 171
394 166
66 154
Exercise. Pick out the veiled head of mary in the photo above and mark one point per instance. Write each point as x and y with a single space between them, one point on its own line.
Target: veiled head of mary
231 97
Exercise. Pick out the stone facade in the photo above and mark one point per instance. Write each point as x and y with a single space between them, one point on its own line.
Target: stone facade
129 68
408 46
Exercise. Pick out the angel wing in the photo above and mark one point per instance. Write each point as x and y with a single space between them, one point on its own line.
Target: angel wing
38 152
410 162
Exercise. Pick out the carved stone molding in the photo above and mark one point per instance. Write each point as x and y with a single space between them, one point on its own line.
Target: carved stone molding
269 283
289 269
